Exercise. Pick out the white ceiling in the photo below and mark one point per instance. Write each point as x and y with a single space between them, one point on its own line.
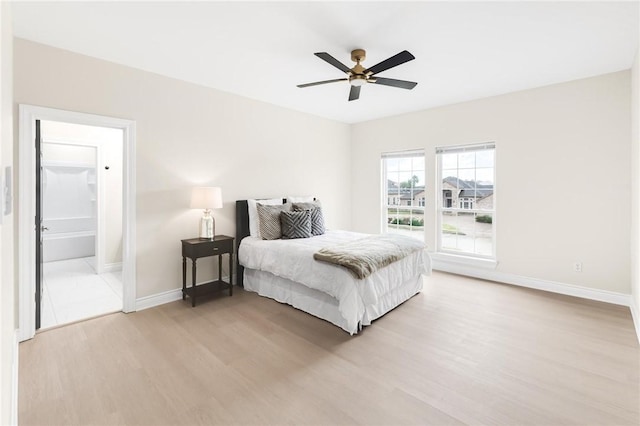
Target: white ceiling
261 50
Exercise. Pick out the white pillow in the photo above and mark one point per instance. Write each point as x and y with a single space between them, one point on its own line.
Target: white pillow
291 199
254 223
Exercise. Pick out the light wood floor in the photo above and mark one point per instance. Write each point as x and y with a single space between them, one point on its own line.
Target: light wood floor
463 351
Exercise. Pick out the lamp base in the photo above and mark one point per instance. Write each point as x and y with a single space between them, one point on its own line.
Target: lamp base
207 226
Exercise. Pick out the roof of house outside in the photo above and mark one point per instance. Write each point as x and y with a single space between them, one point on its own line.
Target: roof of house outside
475 193
404 193
469 188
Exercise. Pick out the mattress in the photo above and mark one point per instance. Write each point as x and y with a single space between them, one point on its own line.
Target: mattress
358 301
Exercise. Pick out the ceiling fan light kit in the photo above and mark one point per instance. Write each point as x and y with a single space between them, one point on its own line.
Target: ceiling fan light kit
358 76
357 80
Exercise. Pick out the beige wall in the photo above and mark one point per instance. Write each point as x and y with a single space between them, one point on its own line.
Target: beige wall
562 173
110 143
635 191
188 135
7 289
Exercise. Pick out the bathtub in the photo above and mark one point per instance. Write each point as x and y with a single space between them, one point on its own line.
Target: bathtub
68 238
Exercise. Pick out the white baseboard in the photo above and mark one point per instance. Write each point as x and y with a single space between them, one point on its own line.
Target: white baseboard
158 299
113 267
635 314
14 381
162 298
535 283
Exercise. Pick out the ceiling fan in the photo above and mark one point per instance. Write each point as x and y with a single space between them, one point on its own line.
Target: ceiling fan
358 75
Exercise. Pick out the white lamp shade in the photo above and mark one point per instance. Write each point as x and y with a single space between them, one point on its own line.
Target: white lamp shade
206 197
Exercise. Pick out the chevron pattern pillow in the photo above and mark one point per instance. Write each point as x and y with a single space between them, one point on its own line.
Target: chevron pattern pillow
317 218
317 221
269 220
296 224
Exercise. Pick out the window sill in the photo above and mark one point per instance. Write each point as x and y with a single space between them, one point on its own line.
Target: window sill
454 259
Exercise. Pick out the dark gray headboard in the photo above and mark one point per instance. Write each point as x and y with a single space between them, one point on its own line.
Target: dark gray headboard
242 230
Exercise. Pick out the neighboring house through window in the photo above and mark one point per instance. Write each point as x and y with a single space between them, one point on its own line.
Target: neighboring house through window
403 177
466 208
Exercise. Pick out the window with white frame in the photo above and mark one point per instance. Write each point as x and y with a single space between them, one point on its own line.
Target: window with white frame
403 177
466 200
466 203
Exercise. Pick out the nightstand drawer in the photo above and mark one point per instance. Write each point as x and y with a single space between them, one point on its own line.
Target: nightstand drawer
213 247
197 248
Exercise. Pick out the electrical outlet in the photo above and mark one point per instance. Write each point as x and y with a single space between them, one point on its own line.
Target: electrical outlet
577 267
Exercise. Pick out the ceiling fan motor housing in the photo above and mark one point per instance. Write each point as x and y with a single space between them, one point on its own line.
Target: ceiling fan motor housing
358 55
357 76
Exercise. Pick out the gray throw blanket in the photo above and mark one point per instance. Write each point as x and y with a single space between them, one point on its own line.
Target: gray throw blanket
366 255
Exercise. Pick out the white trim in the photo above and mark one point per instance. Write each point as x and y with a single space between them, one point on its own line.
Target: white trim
112 267
403 154
536 283
26 244
13 420
129 217
635 314
158 299
26 204
441 258
452 149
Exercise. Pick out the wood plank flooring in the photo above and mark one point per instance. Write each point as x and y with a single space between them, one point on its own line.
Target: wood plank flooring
464 351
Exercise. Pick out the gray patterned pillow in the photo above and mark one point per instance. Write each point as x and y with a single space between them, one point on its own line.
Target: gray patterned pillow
317 218
296 224
269 220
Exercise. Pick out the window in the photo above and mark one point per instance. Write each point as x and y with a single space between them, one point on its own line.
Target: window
466 205
403 186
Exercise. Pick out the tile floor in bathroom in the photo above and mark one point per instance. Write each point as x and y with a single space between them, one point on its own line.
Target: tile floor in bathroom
73 291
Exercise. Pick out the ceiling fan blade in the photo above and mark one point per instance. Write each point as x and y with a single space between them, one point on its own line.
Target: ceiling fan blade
333 61
354 94
322 82
403 84
393 61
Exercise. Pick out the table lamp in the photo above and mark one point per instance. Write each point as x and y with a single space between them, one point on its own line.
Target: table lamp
207 198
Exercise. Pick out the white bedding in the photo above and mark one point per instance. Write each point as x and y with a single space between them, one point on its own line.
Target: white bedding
293 260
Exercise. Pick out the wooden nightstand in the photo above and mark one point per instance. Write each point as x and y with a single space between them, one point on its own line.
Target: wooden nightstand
196 248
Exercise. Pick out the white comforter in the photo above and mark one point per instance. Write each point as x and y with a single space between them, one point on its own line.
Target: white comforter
293 260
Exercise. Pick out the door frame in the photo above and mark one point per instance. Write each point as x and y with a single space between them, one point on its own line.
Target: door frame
26 206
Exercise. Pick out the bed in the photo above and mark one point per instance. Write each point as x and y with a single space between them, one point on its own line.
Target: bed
285 270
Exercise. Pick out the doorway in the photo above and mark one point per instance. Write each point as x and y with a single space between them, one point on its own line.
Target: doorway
29 163
81 222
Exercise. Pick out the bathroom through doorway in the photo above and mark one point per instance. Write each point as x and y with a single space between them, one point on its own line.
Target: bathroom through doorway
80 195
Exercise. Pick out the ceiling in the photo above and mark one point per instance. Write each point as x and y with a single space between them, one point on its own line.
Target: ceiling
261 50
